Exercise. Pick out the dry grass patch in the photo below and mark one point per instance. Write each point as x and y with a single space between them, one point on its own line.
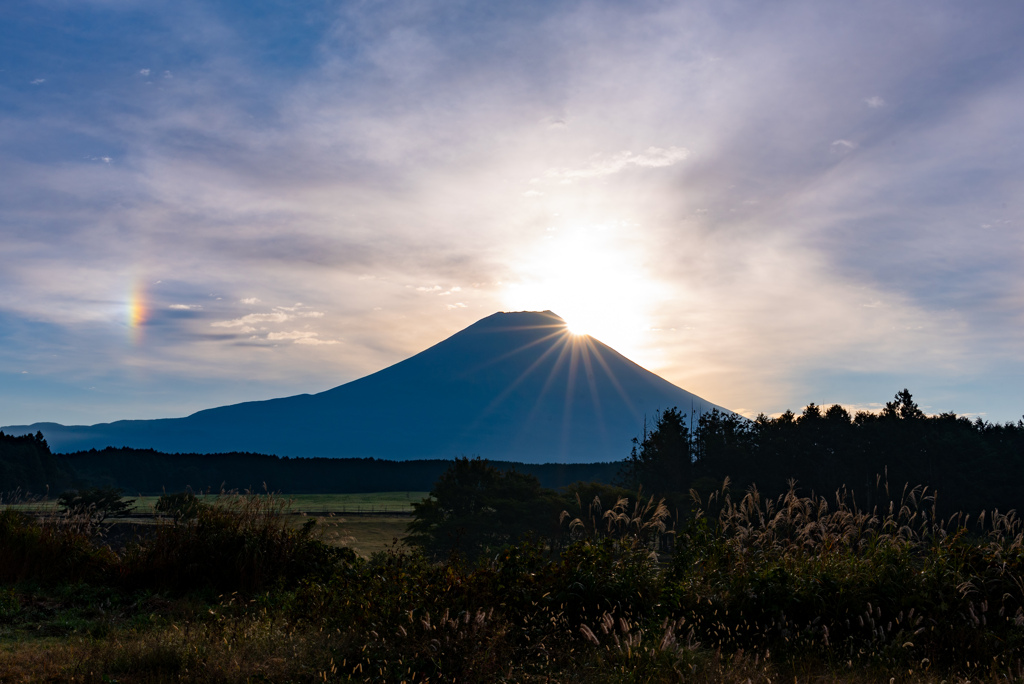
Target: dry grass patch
364 535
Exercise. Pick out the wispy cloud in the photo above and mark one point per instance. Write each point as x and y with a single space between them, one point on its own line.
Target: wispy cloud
300 337
252 319
804 190
280 314
652 157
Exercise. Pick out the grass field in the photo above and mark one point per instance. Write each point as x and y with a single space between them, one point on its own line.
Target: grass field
364 535
358 521
397 502
370 502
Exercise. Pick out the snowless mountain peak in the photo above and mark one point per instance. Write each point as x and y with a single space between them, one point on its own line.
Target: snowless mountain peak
513 386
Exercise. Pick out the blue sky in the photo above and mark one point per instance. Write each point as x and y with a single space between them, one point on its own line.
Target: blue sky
769 204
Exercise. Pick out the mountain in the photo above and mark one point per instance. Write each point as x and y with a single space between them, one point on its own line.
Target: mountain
513 386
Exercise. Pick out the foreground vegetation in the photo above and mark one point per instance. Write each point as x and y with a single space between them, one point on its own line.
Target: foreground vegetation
502 579
756 589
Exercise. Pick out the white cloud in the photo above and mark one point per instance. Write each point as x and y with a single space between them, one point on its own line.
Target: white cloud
652 157
300 337
185 307
842 146
38 81
144 72
280 314
276 317
412 170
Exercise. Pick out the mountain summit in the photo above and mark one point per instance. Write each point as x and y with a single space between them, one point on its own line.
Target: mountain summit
512 386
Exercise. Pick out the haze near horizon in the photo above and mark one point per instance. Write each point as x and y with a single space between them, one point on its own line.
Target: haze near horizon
767 205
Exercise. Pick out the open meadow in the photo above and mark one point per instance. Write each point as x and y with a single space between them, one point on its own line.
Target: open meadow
398 503
367 522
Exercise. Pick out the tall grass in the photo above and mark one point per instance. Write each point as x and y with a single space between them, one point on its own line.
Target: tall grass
892 587
757 589
57 548
239 542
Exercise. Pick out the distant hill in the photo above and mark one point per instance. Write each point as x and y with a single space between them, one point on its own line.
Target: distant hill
511 387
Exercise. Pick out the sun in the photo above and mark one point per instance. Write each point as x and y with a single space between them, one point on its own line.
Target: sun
594 277
576 329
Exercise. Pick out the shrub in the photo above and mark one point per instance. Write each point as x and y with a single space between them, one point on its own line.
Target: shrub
182 506
59 549
96 502
240 543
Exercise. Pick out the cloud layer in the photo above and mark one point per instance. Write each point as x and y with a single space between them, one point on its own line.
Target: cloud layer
770 204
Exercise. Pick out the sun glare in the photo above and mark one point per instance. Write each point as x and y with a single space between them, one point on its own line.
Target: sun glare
575 329
593 278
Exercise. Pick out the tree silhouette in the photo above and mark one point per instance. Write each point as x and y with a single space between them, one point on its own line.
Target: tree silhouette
96 502
475 508
662 461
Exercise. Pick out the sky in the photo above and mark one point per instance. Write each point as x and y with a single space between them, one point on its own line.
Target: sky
767 203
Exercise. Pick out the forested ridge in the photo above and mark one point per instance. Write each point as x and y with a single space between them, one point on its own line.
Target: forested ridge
972 464
26 464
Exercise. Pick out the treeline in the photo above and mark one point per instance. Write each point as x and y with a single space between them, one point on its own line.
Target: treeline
973 465
26 464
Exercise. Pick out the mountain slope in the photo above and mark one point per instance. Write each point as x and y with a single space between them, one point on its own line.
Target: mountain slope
513 386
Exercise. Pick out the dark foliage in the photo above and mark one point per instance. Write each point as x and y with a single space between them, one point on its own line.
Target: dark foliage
664 455
27 465
95 502
63 551
759 588
182 506
240 543
476 508
973 464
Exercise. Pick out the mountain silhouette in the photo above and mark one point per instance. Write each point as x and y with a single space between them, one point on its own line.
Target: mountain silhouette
512 386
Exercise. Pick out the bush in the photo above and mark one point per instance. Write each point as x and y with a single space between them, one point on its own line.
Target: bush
59 549
96 502
476 509
182 506
240 543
